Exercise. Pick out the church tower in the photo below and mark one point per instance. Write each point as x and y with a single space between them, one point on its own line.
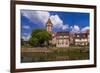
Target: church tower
49 25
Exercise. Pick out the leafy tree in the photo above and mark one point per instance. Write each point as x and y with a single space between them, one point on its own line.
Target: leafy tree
40 37
22 41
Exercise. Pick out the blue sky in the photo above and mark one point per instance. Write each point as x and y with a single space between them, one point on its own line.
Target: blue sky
62 21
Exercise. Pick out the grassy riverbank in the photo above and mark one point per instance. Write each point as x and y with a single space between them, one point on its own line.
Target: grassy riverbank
54 54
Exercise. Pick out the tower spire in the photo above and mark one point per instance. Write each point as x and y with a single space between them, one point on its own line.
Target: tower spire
49 25
49 21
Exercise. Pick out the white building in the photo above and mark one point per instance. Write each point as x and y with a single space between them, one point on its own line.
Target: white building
59 39
81 39
64 39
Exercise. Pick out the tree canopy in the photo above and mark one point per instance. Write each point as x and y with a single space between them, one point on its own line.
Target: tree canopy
22 41
40 37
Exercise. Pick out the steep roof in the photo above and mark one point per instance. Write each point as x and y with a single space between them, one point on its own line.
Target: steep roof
81 35
62 34
49 21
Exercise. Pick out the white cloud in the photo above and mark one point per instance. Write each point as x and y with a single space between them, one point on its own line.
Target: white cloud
26 38
25 34
41 17
85 29
75 29
71 27
38 17
26 27
58 22
64 27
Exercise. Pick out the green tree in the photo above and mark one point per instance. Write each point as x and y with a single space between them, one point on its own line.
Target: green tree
40 37
22 41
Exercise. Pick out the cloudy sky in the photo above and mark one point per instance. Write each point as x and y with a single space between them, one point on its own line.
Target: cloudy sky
62 21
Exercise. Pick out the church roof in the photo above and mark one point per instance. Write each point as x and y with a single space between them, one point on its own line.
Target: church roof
62 34
49 21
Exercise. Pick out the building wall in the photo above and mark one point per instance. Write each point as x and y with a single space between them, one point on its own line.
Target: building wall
54 40
62 42
49 28
82 41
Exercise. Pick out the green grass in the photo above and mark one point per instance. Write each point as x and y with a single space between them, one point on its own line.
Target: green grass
26 46
70 53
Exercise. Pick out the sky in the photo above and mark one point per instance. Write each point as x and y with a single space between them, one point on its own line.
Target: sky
62 21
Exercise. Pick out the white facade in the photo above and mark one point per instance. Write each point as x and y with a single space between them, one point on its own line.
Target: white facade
62 42
83 41
64 39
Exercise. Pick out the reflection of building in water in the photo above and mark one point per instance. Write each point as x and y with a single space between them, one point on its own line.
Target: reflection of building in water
64 39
